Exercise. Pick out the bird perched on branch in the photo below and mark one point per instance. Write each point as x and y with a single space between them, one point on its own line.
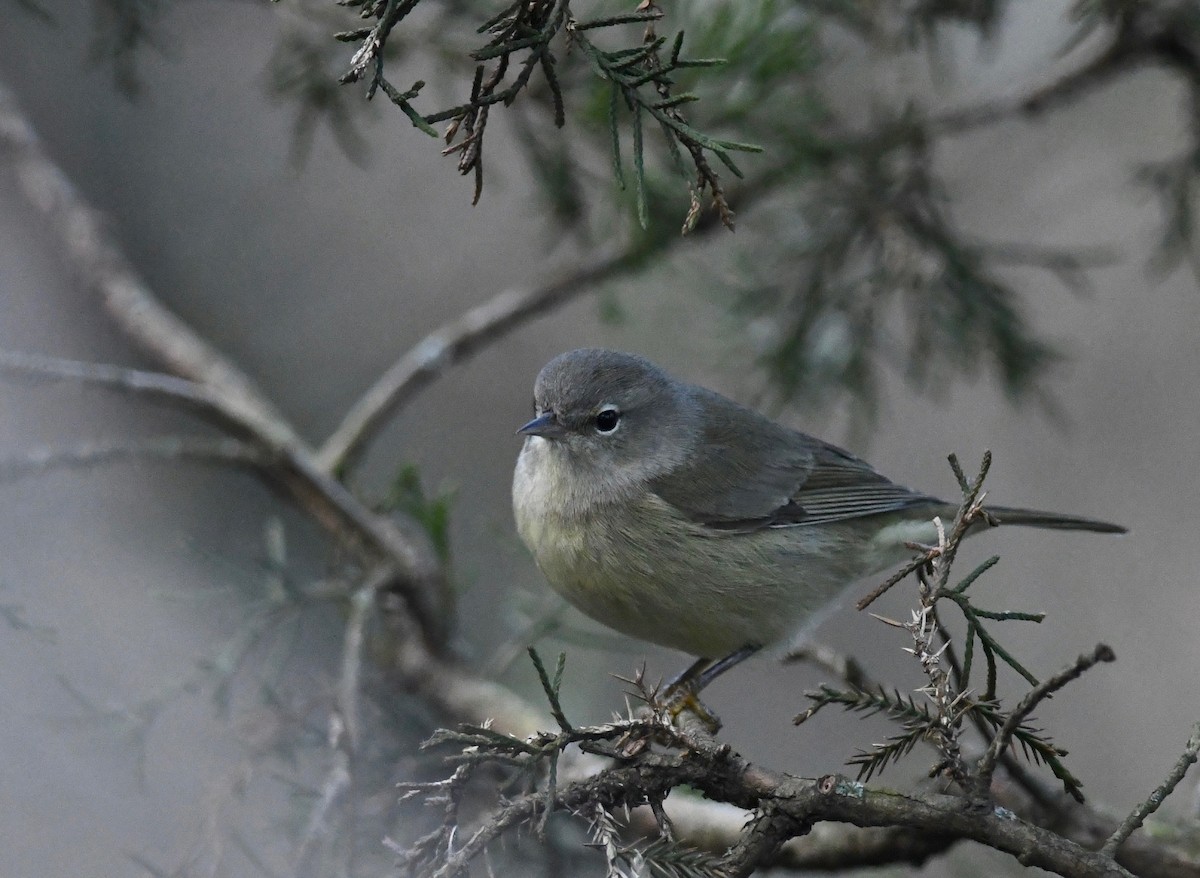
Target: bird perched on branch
674 515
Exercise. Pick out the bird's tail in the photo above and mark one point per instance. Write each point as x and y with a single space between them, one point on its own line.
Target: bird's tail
1052 520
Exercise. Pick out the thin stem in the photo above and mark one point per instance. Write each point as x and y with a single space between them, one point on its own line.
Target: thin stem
1144 809
98 259
168 448
1035 696
228 394
455 342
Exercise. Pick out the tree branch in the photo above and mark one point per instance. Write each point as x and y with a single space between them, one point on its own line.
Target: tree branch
191 395
1097 71
786 807
219 386
455 342
96 255
1144 809
168 448
1035 696
716 827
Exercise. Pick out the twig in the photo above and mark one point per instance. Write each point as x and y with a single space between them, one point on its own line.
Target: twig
98 258
1097 71
1035 696
362 603
343 722
455 342
970 512
170 448
550 687
118 378
1144 809
337 781
1032 786
940 690
845 667
881 589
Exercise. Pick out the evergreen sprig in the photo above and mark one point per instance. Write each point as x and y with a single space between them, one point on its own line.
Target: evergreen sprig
895 705
1036 746
659 857
1175 184
526 37
642 80
951 699
870 233
917 722
880 756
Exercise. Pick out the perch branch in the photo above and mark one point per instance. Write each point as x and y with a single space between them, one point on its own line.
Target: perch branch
791 805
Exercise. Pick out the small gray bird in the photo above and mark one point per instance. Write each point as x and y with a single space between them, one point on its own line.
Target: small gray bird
676 516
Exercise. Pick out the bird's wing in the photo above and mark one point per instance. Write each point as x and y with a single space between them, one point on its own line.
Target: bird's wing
842 486
760 474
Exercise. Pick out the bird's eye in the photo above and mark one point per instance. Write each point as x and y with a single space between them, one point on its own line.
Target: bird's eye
607 420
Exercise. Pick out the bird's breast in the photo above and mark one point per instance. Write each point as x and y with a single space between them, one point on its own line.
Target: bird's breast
633 562
557 514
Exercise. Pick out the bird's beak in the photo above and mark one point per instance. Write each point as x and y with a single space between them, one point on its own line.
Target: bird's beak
545 425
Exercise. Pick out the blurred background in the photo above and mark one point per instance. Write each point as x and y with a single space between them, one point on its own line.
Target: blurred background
315 246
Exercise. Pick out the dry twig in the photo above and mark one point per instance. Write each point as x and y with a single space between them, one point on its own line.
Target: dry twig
1144 809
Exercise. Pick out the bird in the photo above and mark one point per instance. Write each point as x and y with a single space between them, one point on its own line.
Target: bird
676 516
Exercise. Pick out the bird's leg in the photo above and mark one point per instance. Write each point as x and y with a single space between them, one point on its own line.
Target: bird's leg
706 675
688 674
682 692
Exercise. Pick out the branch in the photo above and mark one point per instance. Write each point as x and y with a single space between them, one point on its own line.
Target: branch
1097 71
227 394
169 448
344 724
715 827
845 667
319 493
136 382
786 807
1156 798
1035 696
97 257
455 342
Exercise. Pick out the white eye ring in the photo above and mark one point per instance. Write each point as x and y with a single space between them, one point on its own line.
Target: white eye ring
608 419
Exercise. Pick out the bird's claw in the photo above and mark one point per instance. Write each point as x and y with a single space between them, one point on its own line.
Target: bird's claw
682 698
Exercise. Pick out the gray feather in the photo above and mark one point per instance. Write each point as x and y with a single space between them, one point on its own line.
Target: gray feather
747 472
1053 520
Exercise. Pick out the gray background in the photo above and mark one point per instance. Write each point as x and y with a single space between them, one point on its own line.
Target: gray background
313 280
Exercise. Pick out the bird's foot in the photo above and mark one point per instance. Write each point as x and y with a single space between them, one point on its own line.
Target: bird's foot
681 698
